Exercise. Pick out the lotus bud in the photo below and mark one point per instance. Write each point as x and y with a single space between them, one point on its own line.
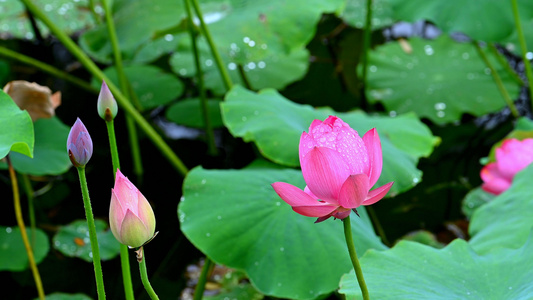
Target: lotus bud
131 217
107 105
79 144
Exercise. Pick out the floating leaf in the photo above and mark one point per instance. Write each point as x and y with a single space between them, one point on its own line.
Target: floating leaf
50 155
13 256
505 221
281 252
69 15
188 113
143 79
73 240
414 271
474 200
17 128
275 125
439 80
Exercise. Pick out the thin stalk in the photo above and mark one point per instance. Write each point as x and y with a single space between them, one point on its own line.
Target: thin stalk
245 80
377 224
523 47
124 87
200 286
497 80
366 39
220 64
31 209
200 78
505 64
121 99
93 11
92 234
47 68
22 227
144 274
124 255
353 257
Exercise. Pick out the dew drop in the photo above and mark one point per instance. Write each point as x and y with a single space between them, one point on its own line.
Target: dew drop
246 39
244 119
429 50
251 43
183 72
203 181
373 68
261 65
169 37
219 217
263 46
529 55
208 234
440 106
9 229
251 65
208 62
232 66
465 55
278 203
392 113
281 249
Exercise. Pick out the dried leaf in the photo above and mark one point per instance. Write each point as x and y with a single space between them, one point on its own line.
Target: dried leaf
36 99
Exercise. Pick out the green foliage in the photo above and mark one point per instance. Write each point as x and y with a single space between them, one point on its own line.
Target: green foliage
17 128
50 154
283 253
440 80
73 240
13 255
188 113
63 296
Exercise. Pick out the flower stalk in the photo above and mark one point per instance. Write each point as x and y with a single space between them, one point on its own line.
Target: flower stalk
353 257
144 274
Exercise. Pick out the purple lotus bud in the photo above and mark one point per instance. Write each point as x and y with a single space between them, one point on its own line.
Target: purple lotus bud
79 144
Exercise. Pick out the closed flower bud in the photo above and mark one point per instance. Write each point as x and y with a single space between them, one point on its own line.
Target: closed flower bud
107 105
131 217
79 144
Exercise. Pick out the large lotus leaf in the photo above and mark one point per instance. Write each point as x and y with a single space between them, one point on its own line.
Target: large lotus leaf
354 13
506 220
236 218
415 271
439 80
275 125
13 256
486 20
17 128
69 15
265 38
50 156
152 86
189 113
73 240
263 67
136 22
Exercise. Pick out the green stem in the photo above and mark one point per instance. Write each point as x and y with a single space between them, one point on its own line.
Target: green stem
497 80
47 68
93 11
353 257
377 224
144 274
366 39
200 78
505 64
245 80
121 99
92 234
31 209
200 286
124 87
22 227
220 64
124 255
523 47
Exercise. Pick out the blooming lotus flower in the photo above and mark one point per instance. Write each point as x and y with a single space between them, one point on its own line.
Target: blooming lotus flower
511 157
131 217
79 144
107 105
339 168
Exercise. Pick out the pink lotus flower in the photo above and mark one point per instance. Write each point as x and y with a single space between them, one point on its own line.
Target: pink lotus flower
79 144
511 157
131 217
339 169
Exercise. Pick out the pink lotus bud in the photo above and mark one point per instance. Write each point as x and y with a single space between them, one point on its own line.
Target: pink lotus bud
511 157
339 168
107 105
131 217
79 144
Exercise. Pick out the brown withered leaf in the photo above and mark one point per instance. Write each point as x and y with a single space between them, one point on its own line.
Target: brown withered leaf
38 100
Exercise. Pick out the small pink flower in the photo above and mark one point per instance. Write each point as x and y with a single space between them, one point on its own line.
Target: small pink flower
511 157
339 168
107 105
79 144
131 217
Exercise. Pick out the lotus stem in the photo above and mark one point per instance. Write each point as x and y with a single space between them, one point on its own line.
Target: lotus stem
366 39
200 286
353 257
144 274
523 47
